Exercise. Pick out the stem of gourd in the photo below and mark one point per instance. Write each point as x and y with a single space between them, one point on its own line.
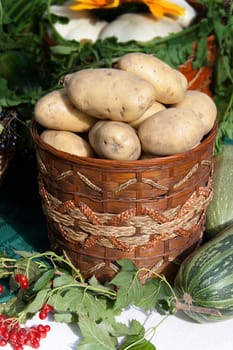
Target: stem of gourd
197 309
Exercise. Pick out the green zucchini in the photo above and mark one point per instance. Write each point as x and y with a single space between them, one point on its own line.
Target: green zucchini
219 213
205 279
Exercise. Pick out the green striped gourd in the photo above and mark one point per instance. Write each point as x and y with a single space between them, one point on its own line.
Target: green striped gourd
205 278
220 210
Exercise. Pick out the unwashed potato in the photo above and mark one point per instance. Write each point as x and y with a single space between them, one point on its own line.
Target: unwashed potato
171 131
68 142
115 140
55 111
202 105
109 93
156 107
170 86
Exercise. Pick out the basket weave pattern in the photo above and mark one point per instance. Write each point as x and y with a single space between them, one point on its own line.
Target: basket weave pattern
98 211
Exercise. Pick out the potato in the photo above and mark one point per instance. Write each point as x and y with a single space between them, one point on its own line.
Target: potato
55 111
171 131
147 156
115 140
202 105
68 142
169 85
184 81
156 107
109 93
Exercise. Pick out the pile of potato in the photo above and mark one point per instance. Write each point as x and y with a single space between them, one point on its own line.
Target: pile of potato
140 108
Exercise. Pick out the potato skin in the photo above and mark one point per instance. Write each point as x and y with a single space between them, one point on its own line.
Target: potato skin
154 108
115 140
55 111
171 131
109 93
169 85
202 105
68 142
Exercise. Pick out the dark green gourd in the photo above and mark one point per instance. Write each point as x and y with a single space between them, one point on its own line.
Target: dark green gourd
205 278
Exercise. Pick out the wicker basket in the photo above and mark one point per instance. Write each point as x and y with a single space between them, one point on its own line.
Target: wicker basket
150 211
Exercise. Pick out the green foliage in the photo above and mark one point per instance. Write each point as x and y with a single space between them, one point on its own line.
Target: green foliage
91 305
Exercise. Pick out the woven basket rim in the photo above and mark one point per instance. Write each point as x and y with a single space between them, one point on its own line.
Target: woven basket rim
120 163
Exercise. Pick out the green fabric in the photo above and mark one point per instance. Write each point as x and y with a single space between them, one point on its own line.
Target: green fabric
22 223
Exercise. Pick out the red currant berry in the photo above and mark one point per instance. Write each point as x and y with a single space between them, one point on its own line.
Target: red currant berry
1 289
35 344
43 315
24 285
47 327
13 336
3 342
5 334
17 346
22 280
47 307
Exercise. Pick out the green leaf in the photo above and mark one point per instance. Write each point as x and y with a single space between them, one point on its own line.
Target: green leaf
96 284
127 265
39 300
135 342
136 338
130 289
63 317
157 293
63 50
64 280
151 293
44 279
95 336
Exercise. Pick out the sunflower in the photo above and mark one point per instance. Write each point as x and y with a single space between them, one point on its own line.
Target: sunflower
158 8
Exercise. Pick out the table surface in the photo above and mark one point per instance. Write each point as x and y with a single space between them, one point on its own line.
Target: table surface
176 332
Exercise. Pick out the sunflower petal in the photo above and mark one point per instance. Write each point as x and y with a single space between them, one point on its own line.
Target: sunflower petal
162 7
94 4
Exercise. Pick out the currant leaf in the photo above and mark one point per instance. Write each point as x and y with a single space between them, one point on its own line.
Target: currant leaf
96 335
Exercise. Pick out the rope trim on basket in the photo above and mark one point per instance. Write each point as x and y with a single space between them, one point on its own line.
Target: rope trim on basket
125 231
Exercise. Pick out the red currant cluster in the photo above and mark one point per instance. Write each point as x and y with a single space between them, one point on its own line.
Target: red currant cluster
43 314
12 333
22 280
15 335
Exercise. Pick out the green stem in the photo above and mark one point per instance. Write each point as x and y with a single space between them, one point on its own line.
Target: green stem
149 334
153 329
52 255
109 293
162 278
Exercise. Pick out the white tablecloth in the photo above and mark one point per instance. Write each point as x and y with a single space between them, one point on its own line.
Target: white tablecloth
175 333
